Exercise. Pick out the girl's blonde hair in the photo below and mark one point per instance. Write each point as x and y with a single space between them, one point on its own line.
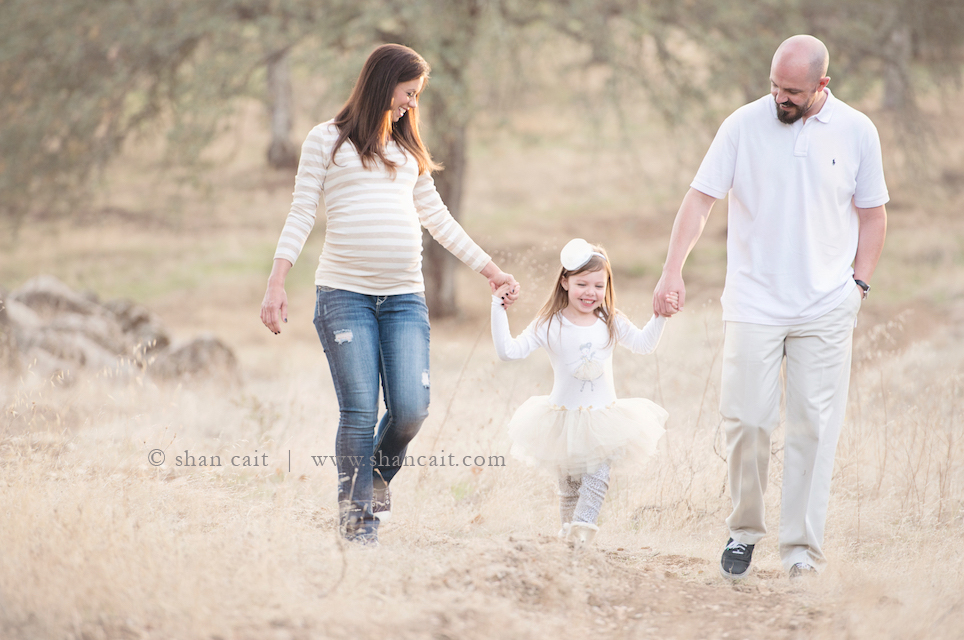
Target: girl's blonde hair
559 298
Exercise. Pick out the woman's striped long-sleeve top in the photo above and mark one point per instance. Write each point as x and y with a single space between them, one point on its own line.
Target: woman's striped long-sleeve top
373 238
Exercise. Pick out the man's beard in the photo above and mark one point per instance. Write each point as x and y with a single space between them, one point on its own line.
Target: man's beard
789 117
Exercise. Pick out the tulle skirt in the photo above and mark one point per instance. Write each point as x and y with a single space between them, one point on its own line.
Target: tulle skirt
578 441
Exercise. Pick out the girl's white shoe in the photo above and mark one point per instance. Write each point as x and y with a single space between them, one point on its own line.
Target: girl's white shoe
564 532
581 533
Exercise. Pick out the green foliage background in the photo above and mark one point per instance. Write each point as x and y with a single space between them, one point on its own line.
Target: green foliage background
78 78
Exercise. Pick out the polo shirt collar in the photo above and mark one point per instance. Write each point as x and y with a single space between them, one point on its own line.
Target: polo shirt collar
826 112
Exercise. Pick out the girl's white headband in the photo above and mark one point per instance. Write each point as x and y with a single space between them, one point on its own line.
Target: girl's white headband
577 253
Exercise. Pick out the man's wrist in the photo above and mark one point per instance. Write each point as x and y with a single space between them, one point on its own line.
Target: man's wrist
865 288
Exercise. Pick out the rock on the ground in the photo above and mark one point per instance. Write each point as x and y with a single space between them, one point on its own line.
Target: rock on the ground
8 347
47 327
205 356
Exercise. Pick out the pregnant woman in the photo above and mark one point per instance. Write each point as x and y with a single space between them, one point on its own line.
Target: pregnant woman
375 174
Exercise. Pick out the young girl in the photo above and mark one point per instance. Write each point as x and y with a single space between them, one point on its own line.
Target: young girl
580 429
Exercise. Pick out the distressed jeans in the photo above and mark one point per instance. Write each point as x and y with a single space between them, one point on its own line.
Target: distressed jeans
370 340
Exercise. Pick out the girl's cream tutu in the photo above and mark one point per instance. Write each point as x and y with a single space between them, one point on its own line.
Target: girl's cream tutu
578 441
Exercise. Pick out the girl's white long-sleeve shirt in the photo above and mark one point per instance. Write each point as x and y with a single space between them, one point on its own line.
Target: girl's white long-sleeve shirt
581 357
373 239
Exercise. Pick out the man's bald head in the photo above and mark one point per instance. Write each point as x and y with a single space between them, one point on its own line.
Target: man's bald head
798 77
803 53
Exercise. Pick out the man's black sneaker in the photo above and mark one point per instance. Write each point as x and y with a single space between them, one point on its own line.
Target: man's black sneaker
735 563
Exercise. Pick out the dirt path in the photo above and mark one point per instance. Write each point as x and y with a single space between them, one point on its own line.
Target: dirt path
538 587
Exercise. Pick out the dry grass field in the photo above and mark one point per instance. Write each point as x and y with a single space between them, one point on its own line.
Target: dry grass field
99 544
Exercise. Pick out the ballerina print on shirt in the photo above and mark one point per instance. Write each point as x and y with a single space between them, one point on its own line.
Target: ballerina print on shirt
588 369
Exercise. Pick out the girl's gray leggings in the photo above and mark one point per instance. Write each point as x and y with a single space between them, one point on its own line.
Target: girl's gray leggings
581 498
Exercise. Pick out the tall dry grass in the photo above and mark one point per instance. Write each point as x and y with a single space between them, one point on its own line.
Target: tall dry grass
100 543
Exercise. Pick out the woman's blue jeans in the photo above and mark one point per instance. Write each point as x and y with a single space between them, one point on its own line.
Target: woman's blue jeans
368 339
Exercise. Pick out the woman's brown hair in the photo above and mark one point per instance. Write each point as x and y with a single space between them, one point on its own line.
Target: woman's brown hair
366 119
559 298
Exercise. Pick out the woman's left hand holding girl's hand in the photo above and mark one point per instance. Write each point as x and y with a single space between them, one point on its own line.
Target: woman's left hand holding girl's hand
497 279
505 293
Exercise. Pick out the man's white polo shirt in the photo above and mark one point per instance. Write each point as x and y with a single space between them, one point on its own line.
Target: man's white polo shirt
791 226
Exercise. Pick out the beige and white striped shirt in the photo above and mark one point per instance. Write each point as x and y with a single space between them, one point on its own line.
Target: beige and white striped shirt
373 240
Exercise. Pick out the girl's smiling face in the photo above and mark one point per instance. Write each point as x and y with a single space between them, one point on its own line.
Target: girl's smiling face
587 291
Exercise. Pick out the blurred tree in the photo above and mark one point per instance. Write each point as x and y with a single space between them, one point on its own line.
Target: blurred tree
282 152
894 43
904 43
637 40
445 33
448 34
903 48
74 85
79 77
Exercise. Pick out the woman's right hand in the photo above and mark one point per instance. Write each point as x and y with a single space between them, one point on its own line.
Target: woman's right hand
274 307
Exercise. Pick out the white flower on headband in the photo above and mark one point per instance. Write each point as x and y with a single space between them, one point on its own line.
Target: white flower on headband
577 253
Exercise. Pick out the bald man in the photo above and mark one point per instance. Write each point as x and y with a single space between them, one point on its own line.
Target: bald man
805 229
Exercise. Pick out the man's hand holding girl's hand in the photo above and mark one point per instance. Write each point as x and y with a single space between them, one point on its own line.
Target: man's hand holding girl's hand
670 295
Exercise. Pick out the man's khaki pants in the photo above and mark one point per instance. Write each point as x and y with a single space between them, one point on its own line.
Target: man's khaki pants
818 357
